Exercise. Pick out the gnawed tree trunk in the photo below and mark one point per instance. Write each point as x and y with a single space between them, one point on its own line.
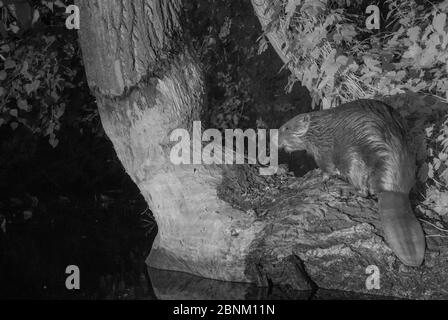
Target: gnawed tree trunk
147 84
226 222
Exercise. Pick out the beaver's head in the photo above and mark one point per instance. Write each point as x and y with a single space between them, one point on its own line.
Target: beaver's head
291 134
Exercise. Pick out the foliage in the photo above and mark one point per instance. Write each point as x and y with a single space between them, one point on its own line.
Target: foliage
334 55
229 112
45 102
39 65
227 48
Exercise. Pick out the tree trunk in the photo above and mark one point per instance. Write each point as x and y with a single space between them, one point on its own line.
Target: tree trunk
148 83
225 222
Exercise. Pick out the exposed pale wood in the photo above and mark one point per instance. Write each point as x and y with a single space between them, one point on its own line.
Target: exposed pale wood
147 83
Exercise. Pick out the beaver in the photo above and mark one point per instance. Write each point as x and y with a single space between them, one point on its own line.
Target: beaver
366 142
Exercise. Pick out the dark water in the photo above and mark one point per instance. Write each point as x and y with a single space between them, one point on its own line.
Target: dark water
168 285
110 250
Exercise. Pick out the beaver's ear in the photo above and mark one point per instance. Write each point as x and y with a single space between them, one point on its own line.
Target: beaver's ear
303 123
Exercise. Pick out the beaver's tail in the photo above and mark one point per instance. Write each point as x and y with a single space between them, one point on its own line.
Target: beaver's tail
402 230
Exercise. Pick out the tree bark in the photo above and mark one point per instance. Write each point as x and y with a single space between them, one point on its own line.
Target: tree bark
226 222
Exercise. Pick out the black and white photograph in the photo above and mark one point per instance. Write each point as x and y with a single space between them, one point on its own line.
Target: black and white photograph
228 157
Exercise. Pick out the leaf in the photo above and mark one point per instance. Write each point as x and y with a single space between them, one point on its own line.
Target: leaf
439 23
3 75
36 16
22 104
427 58
2 91
27 215
348 32
430 171
59 4
55 95
413 33
14 113
372 63
14 125
444 176
49 5
262 45
225 28
49 40
25 66
31 87
60 110
313 8
5 48
423 172
10 64
291 7
341 60
437 164
53 141
14 28
24 14
28 88
429 131
22 121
